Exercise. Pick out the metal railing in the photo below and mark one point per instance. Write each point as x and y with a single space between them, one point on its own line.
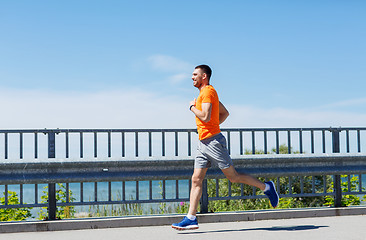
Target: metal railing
148 155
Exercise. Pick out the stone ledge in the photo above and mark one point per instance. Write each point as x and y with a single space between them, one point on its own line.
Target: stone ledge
160 220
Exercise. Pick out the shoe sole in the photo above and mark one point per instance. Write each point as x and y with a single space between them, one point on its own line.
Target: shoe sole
185 228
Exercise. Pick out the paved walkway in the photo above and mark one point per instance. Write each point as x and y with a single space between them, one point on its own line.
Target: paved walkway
342 227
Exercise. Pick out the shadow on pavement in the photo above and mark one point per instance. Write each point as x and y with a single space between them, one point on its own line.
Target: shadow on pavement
279 228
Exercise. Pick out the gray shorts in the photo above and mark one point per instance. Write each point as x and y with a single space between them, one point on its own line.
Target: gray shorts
214 150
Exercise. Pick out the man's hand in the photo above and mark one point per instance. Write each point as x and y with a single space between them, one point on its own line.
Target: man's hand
193 103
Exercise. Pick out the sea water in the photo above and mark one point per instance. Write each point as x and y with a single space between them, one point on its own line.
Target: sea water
89 194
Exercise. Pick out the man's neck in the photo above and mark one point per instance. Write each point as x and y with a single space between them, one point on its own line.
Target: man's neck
203 86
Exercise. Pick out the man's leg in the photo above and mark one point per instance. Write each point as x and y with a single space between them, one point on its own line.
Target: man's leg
268 187
196 189
190 221
236 177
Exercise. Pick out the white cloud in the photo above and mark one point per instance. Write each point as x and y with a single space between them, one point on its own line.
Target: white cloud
169 64
133 108
346 103
247 116
177 69
109 109
180 77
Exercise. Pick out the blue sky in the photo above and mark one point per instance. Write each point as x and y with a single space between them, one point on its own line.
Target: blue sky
117 64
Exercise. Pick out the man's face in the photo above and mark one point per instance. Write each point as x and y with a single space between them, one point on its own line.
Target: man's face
197 76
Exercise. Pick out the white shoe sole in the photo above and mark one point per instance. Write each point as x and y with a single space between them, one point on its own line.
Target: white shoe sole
191 227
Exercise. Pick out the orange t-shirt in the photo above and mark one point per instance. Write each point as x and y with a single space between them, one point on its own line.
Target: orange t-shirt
205 130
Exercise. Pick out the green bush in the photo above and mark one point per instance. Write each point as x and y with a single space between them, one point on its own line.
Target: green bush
13 214
63 211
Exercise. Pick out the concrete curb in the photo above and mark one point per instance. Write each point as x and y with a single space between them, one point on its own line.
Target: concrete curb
140 221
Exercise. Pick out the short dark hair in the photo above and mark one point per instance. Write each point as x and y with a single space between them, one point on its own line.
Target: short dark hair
206 69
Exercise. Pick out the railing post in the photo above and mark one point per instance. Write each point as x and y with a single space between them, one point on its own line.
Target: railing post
337 178
204 198
51 186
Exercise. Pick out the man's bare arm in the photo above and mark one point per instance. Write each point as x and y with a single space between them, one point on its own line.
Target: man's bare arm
205 114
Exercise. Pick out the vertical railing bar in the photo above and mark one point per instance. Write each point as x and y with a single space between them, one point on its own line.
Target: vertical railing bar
189 144
109 144
360 182
21 145
6 145
81 145
347 140
36 193
137 190
95 144
349 183
324 184
163 143
290 185
241 189
359 140
176 189
337 180
21 193
176 143
323 140
300 141
289 142
254 189
265 142
278 185
229 186
312 141
6 195
67 144
67 192
164 190
95 191
277 142
110 191
136 144
123 144
52 201
228 142
241 142
253 142
204 197
313 184
217 187
123 191
82 192
150 144
150 190
302 184
35 145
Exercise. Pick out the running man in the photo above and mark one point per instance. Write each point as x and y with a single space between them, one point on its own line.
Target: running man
210 113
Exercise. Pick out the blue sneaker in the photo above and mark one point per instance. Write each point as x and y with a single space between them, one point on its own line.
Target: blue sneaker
272 194
186 224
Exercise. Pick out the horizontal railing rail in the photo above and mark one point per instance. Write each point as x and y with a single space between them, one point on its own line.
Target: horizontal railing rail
174 168
87 143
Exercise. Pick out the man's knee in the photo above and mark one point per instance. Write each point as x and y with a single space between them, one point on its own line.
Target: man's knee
197 180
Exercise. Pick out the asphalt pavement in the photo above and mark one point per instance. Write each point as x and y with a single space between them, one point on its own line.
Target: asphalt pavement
336 227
